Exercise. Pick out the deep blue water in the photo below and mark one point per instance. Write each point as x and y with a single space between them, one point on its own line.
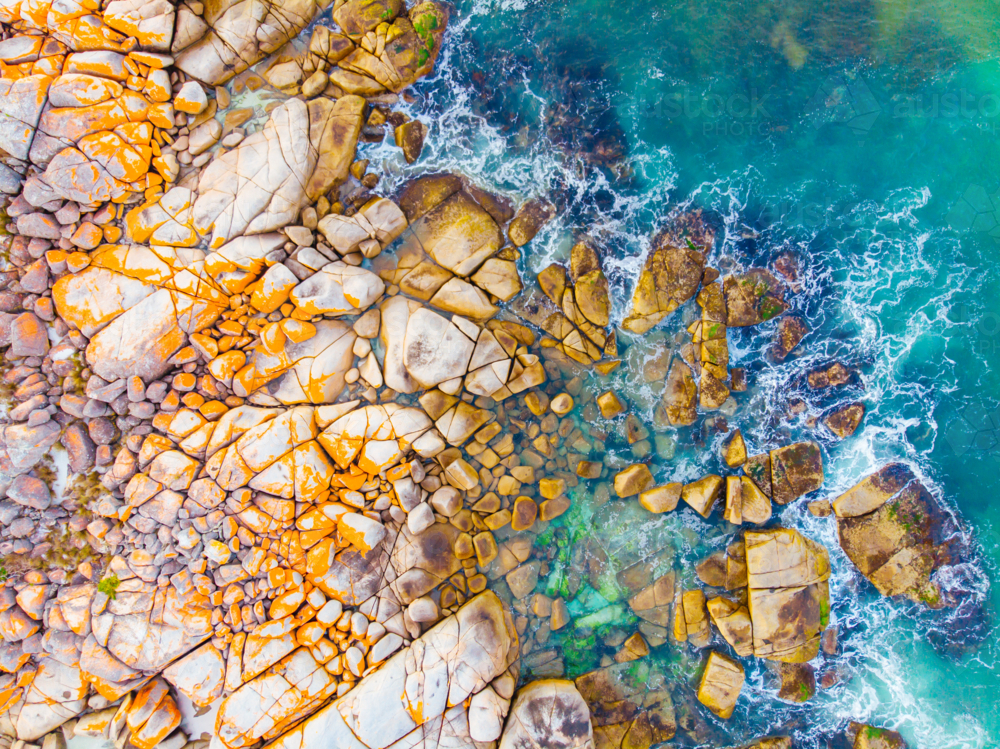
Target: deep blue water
861 136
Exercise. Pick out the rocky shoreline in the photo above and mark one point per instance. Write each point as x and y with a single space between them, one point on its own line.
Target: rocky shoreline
281 446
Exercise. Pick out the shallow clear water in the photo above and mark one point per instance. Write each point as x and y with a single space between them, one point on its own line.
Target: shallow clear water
862 135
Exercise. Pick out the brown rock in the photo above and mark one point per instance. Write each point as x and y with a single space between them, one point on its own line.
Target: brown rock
845 420
752 298
533 216
830 376
410 137
798 682
790 332
796 469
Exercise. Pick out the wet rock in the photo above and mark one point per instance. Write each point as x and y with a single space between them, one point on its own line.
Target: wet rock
789 597
410 137
548 714
630 705
891 528
670 277
734 450
652 603
795 470
701 495
752 298
798 682
790 332
529 220
872 737
830 376
721 683
844 421
661 498
734 624
633 480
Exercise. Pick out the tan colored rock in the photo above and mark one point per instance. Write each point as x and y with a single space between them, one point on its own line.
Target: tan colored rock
700 495
796 469
734 450
469 650
733 623
873 491
529 220
720 685
670 277
633 480
661 498
789 599
259 186
899 543
334 128
548 714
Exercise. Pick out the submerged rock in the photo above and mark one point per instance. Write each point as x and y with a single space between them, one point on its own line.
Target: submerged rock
630 705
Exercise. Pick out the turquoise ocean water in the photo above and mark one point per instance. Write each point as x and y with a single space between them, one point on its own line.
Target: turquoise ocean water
863 136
